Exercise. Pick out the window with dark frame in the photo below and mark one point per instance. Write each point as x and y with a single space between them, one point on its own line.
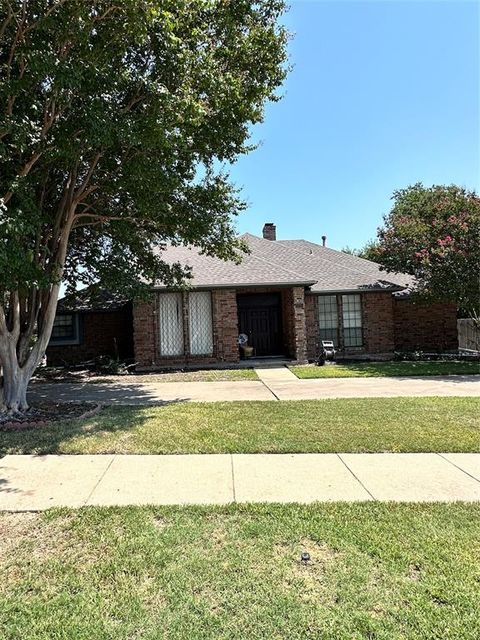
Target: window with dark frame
65 329
352 320
328 318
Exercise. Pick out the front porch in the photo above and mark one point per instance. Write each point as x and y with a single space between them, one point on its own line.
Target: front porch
273 319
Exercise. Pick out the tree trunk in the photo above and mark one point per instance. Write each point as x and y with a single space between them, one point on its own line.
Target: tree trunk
14 378
13 391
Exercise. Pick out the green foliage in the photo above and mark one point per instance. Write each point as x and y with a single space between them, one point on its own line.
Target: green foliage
116 118
368 252
434 234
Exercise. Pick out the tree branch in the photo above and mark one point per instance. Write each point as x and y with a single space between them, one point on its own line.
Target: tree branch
24 172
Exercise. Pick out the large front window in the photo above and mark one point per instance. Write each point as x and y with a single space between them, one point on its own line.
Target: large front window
328 318
170 324
174 339
352 320
200 323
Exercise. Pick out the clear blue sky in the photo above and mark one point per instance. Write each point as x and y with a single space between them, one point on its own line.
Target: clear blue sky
382 94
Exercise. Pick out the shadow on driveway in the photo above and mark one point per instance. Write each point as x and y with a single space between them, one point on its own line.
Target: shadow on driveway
107 393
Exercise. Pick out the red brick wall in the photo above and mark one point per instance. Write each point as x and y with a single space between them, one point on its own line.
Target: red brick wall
225 329
425 327
299 324
225 325
377 318
144 332
101 333
312 327
225 334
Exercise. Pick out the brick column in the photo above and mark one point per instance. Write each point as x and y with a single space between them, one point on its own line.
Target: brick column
312 326
225 325
145 346
299 325
378 328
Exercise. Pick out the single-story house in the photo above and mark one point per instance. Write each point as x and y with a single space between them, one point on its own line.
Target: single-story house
286 296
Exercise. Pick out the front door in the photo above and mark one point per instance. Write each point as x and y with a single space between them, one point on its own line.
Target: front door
260 318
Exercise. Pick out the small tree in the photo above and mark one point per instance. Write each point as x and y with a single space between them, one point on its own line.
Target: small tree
434 234
368 252
115 116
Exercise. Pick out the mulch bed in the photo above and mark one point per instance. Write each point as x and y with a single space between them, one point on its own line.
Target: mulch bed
45 413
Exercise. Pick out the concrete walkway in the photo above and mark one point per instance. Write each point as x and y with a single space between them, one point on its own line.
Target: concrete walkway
34 483
275 384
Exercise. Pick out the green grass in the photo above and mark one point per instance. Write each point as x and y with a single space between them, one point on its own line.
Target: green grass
391 368
369 424
377 571
202 375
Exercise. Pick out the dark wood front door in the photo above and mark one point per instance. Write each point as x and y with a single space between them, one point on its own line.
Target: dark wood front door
260 318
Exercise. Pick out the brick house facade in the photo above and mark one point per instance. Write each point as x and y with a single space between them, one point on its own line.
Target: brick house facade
285 297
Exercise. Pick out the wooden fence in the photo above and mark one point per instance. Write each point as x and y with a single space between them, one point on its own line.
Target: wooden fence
468 334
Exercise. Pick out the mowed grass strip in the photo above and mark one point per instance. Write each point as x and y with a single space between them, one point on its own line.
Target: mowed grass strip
384 571
344 425
387 369
200 375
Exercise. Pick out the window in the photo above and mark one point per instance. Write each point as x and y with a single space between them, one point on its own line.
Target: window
65 329
328 318
352 320
200 323
170 323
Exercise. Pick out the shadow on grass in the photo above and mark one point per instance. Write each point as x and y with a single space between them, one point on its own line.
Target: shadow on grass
51 438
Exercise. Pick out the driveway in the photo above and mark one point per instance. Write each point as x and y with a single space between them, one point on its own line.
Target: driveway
274 385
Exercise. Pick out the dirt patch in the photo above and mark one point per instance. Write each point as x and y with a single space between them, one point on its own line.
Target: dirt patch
414 573
46 413
13 527
310 578
160 523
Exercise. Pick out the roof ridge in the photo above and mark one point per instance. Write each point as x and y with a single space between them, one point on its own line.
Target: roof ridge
345 266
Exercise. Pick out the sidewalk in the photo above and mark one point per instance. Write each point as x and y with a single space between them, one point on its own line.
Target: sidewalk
275 384
33 483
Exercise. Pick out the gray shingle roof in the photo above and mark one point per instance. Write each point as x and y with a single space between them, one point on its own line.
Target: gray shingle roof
286 262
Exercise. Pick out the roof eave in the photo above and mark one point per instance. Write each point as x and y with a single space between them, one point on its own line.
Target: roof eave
243 285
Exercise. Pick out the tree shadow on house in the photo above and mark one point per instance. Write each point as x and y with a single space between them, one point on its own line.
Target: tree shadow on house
55 437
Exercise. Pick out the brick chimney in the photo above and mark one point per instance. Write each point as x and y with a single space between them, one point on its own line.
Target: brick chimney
269 231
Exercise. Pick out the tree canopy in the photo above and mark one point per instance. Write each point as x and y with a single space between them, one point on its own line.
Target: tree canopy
433 233
116 118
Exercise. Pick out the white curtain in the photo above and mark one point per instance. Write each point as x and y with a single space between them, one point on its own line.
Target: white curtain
200 323
170 323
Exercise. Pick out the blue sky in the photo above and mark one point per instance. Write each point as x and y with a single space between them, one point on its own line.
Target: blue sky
382 94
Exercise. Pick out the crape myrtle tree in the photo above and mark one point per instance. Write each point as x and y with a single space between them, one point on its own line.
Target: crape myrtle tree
115 121
433 233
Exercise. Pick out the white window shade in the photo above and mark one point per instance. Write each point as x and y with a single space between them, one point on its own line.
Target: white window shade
200 323
170 324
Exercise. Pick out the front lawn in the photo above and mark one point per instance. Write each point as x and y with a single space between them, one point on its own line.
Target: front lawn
367 424
383 571
194 375
390 368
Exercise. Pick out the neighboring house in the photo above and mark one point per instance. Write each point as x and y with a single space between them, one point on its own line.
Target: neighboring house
91 325
286 296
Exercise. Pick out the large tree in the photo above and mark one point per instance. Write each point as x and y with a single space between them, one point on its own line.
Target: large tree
116 117
433 233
